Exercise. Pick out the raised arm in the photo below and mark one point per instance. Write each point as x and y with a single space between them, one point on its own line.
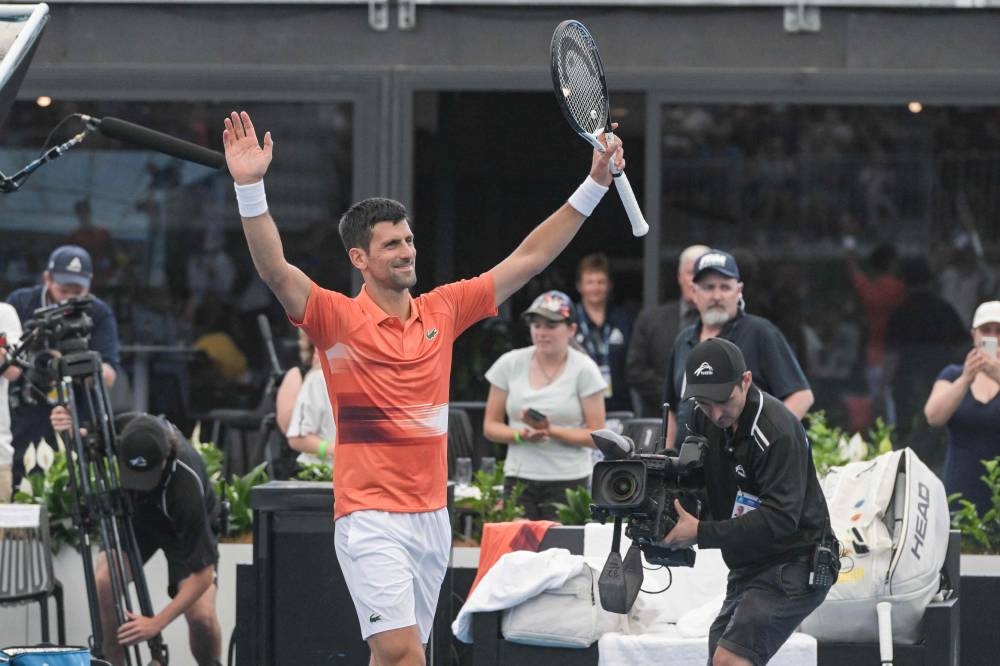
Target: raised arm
248 162
551 237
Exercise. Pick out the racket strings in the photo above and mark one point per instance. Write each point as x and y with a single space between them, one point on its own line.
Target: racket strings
580 83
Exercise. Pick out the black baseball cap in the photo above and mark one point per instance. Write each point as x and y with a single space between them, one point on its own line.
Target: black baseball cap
714 367
718 261
143 449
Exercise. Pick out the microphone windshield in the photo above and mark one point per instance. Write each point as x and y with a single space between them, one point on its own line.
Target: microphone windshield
613 445
162 143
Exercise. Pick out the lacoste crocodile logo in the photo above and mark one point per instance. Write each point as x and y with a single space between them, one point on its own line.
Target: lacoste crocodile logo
431 334
374 617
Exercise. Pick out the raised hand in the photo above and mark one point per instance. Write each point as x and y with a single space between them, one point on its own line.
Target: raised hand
246 159
975 361
600 162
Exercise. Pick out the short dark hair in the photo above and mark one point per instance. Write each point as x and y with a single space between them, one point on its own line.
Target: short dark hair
356 224
594 263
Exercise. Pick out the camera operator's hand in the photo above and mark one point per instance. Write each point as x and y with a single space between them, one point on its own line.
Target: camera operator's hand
138 628
61 420
685 532
532 435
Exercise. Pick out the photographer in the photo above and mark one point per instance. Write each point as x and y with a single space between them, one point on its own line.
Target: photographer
67 276
764 508
175 510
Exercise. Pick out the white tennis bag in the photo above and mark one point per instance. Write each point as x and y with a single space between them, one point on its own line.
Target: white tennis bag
891 517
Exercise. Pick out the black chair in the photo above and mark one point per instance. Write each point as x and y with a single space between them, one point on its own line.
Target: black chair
461 438
26 574
246 432
645 433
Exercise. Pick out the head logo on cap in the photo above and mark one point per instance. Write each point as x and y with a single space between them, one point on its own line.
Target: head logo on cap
138 462
704 369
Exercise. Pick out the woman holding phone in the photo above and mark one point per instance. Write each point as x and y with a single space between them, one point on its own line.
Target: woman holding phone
543 403
965 400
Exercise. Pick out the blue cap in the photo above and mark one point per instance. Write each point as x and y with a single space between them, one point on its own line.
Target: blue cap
71 264
718 261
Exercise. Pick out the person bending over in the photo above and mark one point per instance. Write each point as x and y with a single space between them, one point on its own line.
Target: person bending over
764 508
175 511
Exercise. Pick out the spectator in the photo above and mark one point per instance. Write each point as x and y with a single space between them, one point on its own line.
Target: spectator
718 295
924 334
67 275
291 383
211 273
964 400
603 329
967 279
311 429
553 397
229 363
10 334
654 333
880 294
96 240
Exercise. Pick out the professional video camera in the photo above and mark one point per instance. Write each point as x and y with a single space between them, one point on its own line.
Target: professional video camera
641 488
55 330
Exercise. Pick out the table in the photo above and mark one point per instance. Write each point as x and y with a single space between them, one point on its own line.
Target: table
140 368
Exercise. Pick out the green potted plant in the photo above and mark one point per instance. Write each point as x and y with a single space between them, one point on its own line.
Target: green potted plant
488 503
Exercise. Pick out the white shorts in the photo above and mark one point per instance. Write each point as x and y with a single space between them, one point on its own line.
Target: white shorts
394 564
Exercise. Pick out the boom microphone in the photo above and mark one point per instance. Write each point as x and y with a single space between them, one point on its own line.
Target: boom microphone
122 130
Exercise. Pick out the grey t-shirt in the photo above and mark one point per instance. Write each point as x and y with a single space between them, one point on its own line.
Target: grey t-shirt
549 460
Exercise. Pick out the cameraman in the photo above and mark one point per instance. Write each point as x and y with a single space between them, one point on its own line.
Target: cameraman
175 509
764 508
67 276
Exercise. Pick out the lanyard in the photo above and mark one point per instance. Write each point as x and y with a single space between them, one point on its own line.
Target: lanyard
597 348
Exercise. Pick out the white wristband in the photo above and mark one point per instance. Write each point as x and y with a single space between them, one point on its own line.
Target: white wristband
587 196
251 199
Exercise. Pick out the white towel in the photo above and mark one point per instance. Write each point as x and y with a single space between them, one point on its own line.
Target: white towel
622 650
516 577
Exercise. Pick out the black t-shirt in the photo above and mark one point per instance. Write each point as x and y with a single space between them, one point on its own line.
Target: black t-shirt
767 354
769 458
181 514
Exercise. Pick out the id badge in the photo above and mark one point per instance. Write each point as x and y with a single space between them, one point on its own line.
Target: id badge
606 374
744 504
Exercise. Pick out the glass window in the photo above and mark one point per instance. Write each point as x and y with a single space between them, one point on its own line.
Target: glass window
795 190
488 168
165 235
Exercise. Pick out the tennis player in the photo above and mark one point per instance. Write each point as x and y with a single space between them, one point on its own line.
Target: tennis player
386 358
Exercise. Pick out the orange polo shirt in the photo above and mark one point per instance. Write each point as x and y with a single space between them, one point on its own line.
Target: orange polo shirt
388 384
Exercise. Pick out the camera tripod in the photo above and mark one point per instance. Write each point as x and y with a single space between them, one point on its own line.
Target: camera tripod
99 502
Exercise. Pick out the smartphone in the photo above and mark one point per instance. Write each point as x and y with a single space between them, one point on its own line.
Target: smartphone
536 415
990 345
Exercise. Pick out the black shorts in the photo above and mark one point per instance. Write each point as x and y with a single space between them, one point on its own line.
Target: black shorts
760 612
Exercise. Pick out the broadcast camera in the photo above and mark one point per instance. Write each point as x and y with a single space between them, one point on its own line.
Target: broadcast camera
641 488
61 330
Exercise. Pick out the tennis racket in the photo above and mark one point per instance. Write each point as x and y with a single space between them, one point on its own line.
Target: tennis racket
582 92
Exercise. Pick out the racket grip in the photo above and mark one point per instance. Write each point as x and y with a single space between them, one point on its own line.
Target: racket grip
884 610
639 226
